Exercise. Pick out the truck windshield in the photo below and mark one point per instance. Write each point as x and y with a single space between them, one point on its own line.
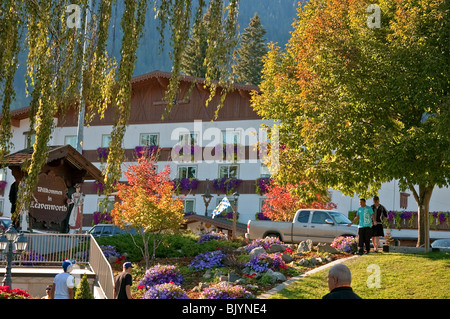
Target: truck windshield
340 218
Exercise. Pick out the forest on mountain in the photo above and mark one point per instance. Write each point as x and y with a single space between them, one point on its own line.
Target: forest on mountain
276 18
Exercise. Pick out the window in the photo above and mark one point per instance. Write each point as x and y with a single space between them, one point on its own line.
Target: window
231 137
71 140
30 138
228 171
303 217
148 139
264 171
187 171
3 173
105 206
106 139
319 218
189 205
188 139
1 207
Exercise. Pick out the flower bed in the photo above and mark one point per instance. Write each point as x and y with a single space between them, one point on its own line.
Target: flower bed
212 236
264 262
161 274
264 243
224 290
7 293
208 259
345 244
165 291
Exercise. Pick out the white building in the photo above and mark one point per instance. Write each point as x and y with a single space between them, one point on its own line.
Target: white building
190 123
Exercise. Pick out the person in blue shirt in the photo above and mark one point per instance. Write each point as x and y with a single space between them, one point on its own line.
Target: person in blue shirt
365 219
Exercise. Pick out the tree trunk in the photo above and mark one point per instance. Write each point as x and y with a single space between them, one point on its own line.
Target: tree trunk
423 202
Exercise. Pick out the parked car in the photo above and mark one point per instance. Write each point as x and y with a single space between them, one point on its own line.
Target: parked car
109 230
441 244
315 224
5 222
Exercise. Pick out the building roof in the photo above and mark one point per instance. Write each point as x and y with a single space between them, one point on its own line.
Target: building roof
66 152
218 222
23 113
187 78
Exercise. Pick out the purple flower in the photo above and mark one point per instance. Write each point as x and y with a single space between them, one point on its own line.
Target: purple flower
265 243
185 183
102 218
208 259
224 290
346 244
109 251
226 185
145 150
262 185
161 274
165 291
212 236
102 153
264 262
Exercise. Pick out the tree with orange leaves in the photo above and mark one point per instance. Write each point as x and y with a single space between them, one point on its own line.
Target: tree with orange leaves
281 202
148 204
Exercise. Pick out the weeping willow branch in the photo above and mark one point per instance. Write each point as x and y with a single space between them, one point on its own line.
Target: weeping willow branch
57 67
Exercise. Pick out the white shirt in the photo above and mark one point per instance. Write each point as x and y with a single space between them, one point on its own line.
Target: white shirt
63 282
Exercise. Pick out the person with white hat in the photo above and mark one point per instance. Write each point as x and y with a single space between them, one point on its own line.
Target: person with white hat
64 282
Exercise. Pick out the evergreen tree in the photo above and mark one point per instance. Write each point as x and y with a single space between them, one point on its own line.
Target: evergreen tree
249 56
84 291
195 53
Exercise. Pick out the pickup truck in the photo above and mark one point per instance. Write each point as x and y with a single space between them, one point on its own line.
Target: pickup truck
316 224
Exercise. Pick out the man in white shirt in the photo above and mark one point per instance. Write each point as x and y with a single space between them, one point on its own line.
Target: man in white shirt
64 282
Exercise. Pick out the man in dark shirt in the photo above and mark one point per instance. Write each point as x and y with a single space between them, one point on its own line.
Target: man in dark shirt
123 282
377 230
339 283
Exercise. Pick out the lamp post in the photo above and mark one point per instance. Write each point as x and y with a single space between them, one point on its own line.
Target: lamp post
207 197
235 197
10 238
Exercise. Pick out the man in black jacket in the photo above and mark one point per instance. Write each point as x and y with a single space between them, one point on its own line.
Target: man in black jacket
339 283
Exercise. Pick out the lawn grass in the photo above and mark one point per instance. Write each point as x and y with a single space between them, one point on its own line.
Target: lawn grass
402 276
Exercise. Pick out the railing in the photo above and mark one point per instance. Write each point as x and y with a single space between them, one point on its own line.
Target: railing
102 268
50 250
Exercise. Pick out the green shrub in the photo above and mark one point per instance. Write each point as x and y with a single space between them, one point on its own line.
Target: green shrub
84 291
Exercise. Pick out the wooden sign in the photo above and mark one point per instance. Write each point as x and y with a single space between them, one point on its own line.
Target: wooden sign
50 199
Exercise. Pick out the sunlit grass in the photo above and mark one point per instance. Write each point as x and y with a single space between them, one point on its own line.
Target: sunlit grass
402 276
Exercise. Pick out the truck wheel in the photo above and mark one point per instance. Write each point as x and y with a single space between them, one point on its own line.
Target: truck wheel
273 235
